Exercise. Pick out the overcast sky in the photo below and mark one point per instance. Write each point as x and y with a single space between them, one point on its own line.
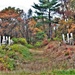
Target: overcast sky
22 4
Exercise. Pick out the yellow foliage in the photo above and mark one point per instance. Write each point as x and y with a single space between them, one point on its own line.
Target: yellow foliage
1 59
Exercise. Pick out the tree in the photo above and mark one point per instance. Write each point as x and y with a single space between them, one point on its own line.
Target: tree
11 23
72 4
67 23
44 10
29 13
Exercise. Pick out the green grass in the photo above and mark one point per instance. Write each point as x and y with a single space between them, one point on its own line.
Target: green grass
9 55
56 72
22 50
64 72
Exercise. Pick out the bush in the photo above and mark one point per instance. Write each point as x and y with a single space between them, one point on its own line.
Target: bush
10 64
38 44
1 48
19 40
2 52
57 39
29 46
9 58
11 54
45 42
49 40
15 40
22 41
22 50
40 35
5 47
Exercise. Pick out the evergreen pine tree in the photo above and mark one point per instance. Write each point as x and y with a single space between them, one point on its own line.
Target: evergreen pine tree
44 9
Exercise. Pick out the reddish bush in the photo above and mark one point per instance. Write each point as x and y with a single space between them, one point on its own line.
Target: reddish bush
45 42
50 46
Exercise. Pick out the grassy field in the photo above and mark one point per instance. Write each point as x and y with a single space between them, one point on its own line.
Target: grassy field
56 72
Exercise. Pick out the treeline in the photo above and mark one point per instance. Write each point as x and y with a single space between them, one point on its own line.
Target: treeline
45 25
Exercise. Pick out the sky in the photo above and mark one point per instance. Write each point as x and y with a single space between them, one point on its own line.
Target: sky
22 4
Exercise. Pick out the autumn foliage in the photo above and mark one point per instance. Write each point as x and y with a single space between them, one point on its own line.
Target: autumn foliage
11 22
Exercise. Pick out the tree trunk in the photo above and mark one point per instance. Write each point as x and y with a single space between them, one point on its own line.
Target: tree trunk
27 34
50 27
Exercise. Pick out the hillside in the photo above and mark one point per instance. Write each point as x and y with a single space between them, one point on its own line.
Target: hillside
50 57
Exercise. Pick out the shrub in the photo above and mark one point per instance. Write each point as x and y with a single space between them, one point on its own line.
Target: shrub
11 54
45 42
19 40
29 46
40 35
22 50
2 52
0 47
10 64
38 44
22 41
5 47
2 59
49 40
15 47
57 39
15 40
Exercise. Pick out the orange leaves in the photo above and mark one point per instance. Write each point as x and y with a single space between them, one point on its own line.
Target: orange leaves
37 30
14 15
19 19
11 23
8 14
68 52
68 25
32 27
72 28
62 22
72 25
4 24
45 42
32 22
68 22
34 33
69 30
50 46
